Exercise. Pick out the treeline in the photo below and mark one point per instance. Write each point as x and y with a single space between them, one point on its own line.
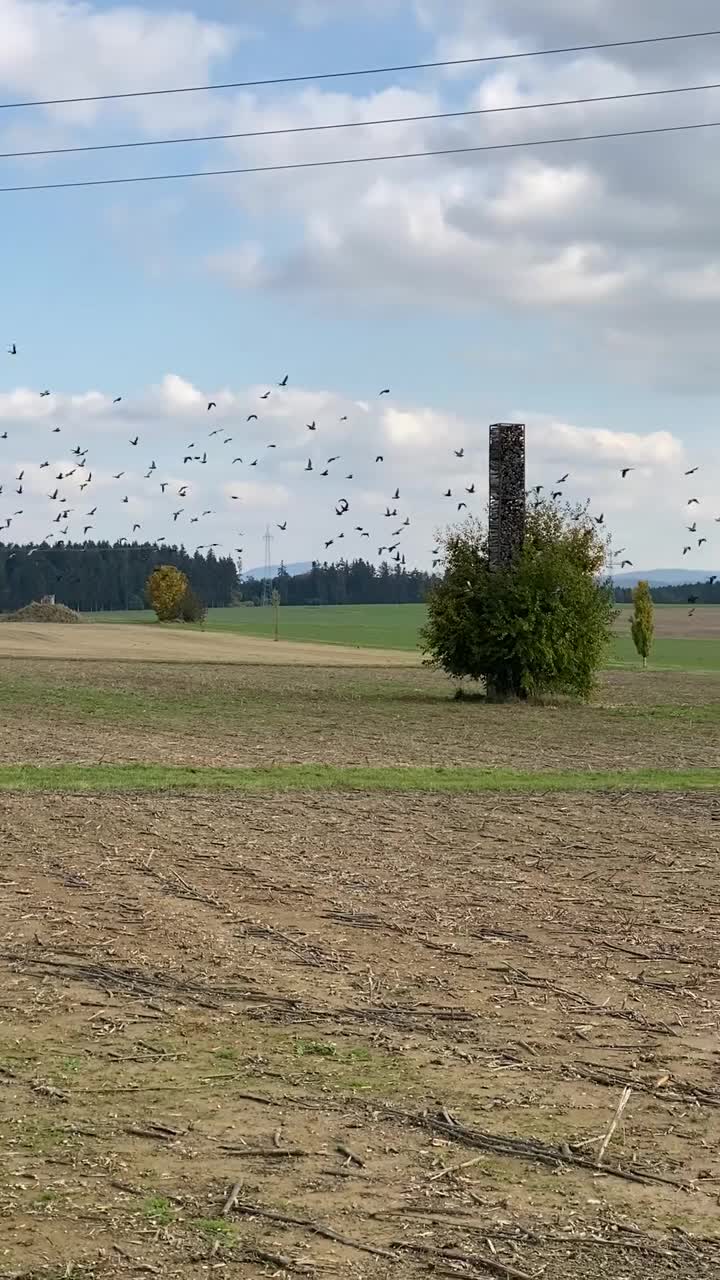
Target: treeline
705 592
347 582
101 575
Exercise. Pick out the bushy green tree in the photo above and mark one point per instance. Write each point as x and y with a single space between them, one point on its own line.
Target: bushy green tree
541 625
642 623
192 608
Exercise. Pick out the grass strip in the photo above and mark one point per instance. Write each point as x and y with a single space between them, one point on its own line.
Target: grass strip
309 777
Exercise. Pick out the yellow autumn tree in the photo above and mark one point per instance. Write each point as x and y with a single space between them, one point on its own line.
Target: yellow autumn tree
165 589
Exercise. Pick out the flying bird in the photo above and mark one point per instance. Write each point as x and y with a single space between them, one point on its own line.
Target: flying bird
396 495
309 466
626 471
329 543
557 493
117 399
379 458
460 453
471 489
311 425
448 494
461 505
134 442
267 393
282 527
336 458
87 529
211 405
284 381
701 540
12 350
686 549
56 431
385 391
692 528
601 518
325 472
625 564
692 471
43 394
712 579
693 501
563 478
251 417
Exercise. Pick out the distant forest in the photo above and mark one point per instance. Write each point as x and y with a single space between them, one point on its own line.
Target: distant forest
704 593
91 576
347 582
101 575
94 576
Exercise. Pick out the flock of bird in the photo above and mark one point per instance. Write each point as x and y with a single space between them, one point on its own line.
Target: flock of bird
81 473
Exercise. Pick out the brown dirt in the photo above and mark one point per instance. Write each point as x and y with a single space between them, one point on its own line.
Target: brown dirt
198 992
126 643
54 712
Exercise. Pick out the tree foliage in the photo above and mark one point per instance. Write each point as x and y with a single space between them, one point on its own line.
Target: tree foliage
166 589
540 626
642 623
192 608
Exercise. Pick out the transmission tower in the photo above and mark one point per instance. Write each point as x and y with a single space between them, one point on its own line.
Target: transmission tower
267 573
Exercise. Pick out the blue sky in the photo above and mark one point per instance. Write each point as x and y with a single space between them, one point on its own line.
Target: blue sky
577 289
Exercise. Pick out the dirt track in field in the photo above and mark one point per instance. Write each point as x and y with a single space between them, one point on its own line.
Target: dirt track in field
405 1021
126 643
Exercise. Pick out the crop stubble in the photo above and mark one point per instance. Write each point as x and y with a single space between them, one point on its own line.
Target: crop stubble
327 1003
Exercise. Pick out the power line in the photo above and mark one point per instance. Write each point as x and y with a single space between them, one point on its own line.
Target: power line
355 124
365 71
351 160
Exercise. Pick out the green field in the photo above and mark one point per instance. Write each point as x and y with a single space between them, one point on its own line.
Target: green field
397 627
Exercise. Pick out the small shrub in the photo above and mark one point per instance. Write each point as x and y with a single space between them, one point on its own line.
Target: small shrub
192 608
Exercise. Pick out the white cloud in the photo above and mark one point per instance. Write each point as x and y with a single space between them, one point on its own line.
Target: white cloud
419 443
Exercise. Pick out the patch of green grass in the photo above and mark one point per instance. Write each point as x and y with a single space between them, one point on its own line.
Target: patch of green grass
159 1210
214 1228
377 626
397 626
315 1048
675 653
310 777
225 1055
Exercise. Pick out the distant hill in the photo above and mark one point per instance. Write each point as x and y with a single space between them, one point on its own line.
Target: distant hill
300 566
663 577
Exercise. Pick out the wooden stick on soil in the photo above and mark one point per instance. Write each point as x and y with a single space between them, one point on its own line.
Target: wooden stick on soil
625 1098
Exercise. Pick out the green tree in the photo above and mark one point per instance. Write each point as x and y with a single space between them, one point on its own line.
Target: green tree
541 625
642 623
166 588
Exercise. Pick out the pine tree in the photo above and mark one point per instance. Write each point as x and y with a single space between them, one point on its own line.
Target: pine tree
642 625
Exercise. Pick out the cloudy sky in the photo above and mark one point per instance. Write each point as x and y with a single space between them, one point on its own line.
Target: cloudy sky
573 287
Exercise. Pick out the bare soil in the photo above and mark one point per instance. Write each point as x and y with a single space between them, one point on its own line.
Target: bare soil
56 712
125 643
397 1027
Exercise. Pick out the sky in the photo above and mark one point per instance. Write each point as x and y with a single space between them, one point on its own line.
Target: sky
574 287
